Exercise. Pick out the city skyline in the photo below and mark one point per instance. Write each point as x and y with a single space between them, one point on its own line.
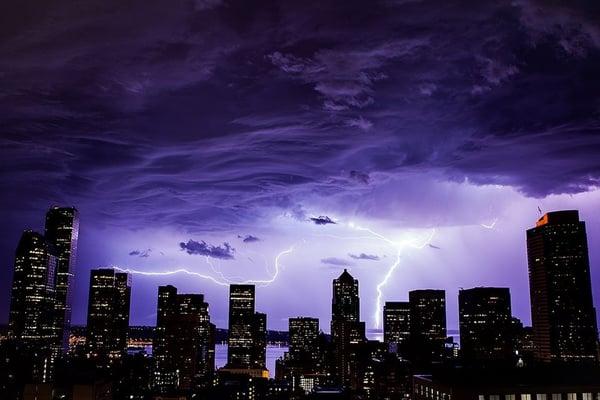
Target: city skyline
373 331
415 357
239 130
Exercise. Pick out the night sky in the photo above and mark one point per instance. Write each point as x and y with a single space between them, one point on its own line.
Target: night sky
213 135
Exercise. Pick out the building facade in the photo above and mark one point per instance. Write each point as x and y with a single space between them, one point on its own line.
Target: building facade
563 315
427 325
62 231
396 326
184 347
31 317
485 324
346 327
108 315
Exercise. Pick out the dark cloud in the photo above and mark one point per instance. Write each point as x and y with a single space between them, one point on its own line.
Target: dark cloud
322 220
141 253
360 177
131 110
201 248
249 239
364 256
335 261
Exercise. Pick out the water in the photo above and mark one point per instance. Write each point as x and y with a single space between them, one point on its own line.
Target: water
273 353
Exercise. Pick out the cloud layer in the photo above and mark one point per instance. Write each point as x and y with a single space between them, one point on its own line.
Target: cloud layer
208 118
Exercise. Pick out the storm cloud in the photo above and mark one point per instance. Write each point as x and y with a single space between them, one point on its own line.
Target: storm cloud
202 248
208 118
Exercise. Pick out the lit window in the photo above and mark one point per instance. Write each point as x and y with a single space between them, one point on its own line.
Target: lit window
525 396
571 396
540 396
509 397
556 396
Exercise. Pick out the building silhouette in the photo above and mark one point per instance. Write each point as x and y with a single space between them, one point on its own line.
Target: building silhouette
303 342
108 315
241 326
62 231
31 318
259 341
247 337
396 326
346 327
427 325
485 324
563 316
184 345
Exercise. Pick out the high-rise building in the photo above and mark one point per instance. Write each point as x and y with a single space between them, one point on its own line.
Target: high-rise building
427 324
346 328
396 325
562 311
240 351
304 345
108 315
485 324
31 318
345 302
62 231
259 341
184 341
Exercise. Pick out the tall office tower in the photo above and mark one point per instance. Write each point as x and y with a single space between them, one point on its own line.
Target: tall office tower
304 344
62 231
108 315
31 318
259 341
562 311
346 328
184 341
485 324
427 324
240 352
345 302
396 325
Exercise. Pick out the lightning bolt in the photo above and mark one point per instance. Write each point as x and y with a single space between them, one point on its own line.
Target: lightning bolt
490 226
399 247
223 281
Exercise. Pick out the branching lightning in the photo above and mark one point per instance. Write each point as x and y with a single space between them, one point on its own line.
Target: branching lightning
399 247
223 281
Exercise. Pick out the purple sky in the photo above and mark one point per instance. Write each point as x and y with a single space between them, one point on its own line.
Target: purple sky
212 136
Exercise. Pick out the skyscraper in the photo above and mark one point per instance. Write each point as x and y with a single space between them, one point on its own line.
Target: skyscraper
427 324
345 302
241 326
304 345
62 231
396 325
31 318
346 328
259 341
485 324
184 341
108 315
562 311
